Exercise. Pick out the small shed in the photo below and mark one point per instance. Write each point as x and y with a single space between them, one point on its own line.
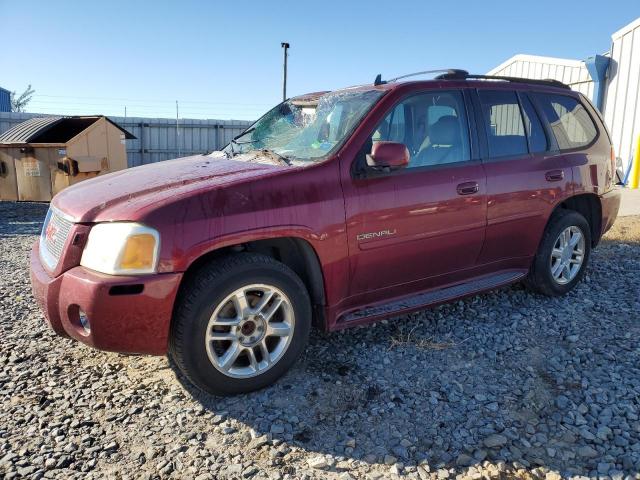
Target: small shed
42 156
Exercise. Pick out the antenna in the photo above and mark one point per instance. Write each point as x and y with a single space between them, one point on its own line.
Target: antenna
378 80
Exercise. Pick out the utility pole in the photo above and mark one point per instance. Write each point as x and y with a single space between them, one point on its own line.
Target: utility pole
285 46
177 130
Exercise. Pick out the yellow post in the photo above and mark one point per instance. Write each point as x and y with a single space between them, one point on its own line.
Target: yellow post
634 181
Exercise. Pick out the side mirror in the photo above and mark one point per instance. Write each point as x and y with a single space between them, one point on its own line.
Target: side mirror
388 156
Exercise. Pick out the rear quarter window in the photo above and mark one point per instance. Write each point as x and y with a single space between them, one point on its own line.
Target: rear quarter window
570 122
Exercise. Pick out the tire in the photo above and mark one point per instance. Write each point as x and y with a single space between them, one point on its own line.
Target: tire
541 277
218 288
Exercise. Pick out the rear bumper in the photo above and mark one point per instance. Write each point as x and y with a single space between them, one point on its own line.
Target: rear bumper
610 203
126 323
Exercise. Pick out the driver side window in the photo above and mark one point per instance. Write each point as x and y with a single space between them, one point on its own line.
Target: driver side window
433 127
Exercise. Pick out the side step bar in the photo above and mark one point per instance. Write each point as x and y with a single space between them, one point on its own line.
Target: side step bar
432 297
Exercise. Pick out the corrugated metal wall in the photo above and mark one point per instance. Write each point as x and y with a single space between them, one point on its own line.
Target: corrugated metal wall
157 138
622 101
622 89
5 100
571 72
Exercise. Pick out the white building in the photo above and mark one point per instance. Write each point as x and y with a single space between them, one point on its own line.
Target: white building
619 85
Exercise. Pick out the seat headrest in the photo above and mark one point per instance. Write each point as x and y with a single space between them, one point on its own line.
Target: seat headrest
446 131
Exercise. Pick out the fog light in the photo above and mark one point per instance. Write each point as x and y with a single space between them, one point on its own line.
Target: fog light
84 321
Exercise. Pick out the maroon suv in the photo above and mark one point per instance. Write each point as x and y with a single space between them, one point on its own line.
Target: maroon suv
333 209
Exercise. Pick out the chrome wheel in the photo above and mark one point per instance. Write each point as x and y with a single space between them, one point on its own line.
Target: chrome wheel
250 330
567 255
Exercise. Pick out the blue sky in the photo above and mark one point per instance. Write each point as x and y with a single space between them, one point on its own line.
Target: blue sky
224 60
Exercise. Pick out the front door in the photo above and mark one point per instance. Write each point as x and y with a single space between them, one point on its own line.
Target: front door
425 220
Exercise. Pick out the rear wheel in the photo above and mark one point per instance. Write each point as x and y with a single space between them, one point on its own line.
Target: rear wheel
240 324
563 255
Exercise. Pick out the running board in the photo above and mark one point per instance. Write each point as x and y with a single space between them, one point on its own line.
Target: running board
432 297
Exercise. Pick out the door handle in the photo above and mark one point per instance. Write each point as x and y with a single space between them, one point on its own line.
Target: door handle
468 188
554 175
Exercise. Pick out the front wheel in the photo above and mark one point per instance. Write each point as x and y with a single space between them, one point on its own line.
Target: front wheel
240 324
563 255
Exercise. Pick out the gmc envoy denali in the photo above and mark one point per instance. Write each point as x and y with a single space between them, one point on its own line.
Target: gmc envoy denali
333 209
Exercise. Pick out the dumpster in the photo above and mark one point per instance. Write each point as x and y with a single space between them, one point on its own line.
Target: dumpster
42 156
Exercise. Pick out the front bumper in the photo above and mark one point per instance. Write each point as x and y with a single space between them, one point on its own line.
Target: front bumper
120 321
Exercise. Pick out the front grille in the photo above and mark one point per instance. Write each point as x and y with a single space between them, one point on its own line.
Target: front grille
54 235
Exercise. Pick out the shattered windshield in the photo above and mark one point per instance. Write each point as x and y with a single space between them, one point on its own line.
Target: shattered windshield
306 129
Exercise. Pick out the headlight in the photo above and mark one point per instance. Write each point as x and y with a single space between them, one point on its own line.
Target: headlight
121 248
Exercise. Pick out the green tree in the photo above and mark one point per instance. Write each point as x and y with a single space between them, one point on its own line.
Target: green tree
19 103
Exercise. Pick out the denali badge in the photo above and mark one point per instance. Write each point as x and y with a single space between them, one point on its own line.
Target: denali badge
382 233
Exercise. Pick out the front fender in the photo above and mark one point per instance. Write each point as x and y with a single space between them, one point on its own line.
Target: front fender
194 252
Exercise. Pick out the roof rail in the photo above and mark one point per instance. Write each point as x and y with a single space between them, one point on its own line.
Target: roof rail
444 71
458 75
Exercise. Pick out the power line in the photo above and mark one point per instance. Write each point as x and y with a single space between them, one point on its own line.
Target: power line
131 112
140 106
116 112
150 100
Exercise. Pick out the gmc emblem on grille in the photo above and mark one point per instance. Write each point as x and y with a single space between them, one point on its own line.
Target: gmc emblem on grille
381 233
50 232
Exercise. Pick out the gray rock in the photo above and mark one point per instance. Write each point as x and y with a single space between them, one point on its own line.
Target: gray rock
390 459
319 462
562 402
587 451
234 469
464 460
277 428
495 440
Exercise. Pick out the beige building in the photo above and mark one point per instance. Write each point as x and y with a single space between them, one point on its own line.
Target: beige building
42 156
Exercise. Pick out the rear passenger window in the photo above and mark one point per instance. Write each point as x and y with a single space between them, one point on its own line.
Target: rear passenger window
503 123
535 132
571 124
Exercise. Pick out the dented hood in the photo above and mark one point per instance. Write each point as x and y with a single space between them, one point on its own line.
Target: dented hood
128 194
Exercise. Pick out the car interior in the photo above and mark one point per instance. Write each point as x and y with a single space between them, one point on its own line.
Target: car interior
433 127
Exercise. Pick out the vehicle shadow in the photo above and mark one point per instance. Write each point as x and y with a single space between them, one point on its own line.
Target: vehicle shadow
21 219
507 377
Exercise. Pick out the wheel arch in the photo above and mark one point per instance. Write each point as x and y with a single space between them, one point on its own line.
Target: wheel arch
295 252
589 206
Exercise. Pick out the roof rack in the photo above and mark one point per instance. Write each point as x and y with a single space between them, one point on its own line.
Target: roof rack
458 74
444 71
467 76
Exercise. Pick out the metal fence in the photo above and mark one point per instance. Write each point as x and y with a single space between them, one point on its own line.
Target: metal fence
158 139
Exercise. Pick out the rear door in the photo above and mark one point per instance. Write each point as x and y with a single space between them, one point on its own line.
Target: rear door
526 174
425 220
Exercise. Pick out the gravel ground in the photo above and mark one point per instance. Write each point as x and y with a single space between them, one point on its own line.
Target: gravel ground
501 385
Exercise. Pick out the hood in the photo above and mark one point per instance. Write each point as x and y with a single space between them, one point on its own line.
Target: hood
126 194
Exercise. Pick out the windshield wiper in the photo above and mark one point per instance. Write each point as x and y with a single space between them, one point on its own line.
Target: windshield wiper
234 140
276 154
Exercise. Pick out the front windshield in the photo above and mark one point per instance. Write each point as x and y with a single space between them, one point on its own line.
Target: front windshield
306 129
